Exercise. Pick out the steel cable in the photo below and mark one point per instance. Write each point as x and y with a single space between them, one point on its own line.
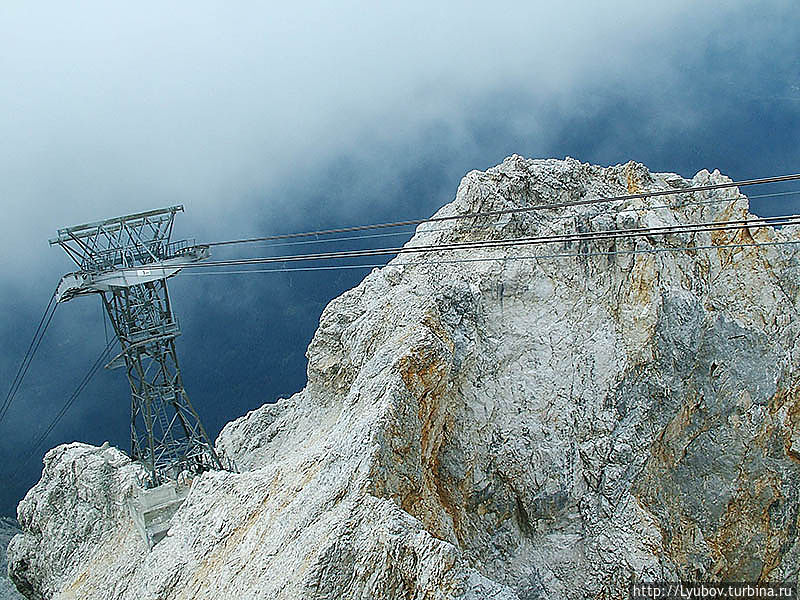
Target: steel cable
38 335
561 238
501 258
24 457
493 225
602 200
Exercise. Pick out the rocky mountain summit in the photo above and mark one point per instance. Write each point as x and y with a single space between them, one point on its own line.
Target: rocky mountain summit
482 425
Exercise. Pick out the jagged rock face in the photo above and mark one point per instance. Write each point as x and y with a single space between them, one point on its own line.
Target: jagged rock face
8 529
509 429
73 520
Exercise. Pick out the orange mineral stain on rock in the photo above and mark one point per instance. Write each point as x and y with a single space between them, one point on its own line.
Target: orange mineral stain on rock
425 371
632 179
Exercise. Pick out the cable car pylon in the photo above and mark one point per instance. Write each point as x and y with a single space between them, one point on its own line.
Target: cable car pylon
127 261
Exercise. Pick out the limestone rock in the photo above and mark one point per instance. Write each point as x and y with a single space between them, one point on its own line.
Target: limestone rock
513 428
8 529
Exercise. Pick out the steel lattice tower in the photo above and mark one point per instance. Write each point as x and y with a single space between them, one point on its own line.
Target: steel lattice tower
127 261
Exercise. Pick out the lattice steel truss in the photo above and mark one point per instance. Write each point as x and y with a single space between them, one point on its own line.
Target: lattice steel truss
127 260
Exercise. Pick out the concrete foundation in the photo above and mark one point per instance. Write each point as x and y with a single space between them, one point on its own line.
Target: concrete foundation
152 510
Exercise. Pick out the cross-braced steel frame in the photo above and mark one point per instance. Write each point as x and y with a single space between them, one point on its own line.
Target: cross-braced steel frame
167 435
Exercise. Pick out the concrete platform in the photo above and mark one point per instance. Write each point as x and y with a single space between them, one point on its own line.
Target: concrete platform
152 510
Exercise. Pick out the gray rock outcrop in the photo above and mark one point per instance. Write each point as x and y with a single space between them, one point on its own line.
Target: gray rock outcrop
8 529
513 428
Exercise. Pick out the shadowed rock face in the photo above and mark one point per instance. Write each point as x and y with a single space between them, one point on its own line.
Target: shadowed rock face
509 429
8 529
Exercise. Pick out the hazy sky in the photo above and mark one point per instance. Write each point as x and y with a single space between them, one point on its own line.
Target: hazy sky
264 118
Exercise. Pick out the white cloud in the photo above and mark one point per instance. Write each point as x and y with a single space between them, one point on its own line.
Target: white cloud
110 108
